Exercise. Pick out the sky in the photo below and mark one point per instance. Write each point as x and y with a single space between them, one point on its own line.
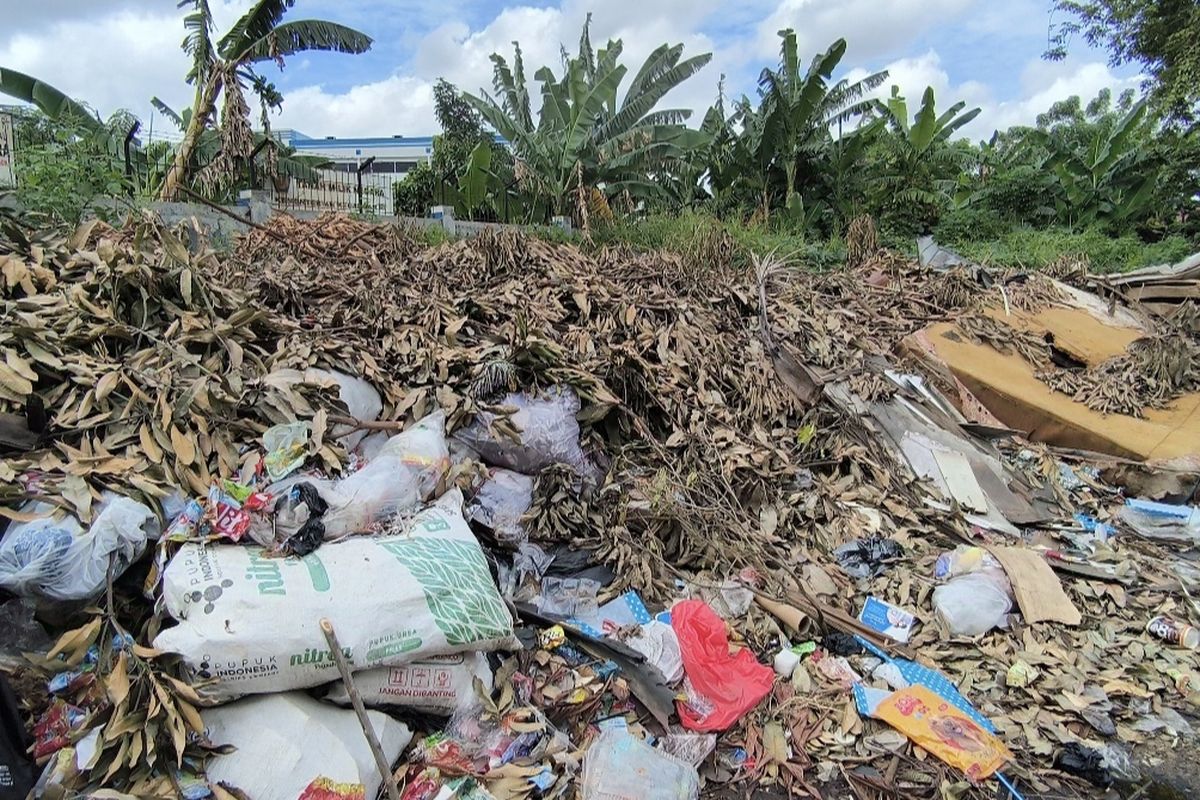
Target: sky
117 54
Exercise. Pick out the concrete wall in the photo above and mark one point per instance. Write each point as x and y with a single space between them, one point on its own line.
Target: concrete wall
223 226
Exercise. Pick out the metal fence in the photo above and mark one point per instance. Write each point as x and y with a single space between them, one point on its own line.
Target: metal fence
143 164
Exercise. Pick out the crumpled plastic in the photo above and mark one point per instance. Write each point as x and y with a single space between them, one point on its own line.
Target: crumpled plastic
728 685
549 434
500 503
52 559
1084 762
620 766
406 473
865 558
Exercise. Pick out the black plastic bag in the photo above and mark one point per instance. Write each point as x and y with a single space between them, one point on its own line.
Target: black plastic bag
17 772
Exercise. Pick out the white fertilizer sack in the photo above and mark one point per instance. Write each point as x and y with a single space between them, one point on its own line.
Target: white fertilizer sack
250 623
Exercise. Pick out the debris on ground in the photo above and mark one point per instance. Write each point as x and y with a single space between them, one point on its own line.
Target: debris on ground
586 525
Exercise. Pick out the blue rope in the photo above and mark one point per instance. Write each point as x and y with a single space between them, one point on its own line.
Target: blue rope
1012 790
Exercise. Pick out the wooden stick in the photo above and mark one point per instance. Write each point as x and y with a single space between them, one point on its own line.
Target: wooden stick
368 425
385 769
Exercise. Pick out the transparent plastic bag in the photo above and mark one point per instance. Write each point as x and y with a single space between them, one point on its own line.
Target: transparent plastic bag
974 603
569 598
549 434
406 473
620 766
55 560
500 503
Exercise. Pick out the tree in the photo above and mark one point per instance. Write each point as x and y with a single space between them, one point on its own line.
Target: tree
585 139
454 154
799 110
920 166
1107 177
1158 35
227 65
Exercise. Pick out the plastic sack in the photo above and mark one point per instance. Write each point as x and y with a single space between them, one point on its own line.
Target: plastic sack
500 503
974 603
962 560
620 766
250 622
52 559
549 434
437 685
407 472
290 746
726 686
360 397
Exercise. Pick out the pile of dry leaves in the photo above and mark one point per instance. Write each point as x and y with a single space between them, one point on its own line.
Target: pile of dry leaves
701 391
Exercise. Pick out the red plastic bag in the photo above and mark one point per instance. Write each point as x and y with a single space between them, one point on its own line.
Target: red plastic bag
727 686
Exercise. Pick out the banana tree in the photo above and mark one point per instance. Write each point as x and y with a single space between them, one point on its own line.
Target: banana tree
49 100
583 137
227 65
921 165
799 109
1107 178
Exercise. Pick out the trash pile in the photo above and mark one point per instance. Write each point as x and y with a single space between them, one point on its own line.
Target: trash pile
339 515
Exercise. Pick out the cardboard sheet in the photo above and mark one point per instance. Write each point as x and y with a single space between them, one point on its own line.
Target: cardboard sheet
1006 384
1038 591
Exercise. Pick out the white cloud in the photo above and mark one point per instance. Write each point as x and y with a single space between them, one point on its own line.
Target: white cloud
873 28
403 103
399 105
1045 84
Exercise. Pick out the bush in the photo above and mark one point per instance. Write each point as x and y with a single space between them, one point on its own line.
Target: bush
63 176
692 234
1029 248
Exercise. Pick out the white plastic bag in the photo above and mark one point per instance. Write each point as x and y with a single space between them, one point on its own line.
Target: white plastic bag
291 746
549 434
974 603
437 685
360 397
500 503
54 559
406 472
251 622
620 766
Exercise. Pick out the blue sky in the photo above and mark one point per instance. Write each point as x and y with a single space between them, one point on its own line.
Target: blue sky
986 53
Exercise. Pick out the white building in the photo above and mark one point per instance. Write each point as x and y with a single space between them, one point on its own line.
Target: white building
394 155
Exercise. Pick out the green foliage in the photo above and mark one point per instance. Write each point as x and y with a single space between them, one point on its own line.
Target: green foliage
1029 248
583 138
1158 35
688 233
458 160
50 101
918 164
63 175
782 154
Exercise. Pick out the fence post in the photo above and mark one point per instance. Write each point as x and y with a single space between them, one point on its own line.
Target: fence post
133 129
362 167
253 153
